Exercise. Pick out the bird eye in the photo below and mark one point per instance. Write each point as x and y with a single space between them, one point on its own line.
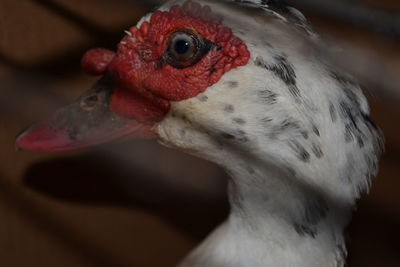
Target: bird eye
184 49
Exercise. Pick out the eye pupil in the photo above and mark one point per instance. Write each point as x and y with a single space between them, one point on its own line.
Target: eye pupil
185 48
181 47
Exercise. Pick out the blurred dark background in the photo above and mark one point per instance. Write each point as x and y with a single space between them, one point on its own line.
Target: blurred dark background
137 203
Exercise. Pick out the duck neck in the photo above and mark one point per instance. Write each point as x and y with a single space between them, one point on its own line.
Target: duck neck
275 221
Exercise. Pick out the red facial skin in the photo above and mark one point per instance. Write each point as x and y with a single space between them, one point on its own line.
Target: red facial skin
145 82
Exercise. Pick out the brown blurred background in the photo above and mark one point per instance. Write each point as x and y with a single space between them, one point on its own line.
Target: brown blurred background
137 203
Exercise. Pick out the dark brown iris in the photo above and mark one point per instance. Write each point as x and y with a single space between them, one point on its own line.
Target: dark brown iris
185 48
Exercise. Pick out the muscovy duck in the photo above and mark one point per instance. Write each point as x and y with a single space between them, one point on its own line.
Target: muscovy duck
243 84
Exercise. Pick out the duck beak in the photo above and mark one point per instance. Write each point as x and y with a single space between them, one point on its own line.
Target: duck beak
86 122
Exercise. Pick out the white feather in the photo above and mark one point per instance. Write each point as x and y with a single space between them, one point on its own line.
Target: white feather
273 189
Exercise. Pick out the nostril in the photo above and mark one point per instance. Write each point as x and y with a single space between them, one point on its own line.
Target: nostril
96 61
88 103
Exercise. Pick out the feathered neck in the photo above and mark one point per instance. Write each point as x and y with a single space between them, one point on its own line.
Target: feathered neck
274 221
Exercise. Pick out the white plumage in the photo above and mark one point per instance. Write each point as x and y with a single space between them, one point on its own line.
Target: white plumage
295 137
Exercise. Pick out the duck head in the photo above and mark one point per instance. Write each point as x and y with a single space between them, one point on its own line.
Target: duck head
170 56
217 79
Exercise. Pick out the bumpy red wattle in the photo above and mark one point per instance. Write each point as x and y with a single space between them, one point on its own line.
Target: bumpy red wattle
96 61
139 66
